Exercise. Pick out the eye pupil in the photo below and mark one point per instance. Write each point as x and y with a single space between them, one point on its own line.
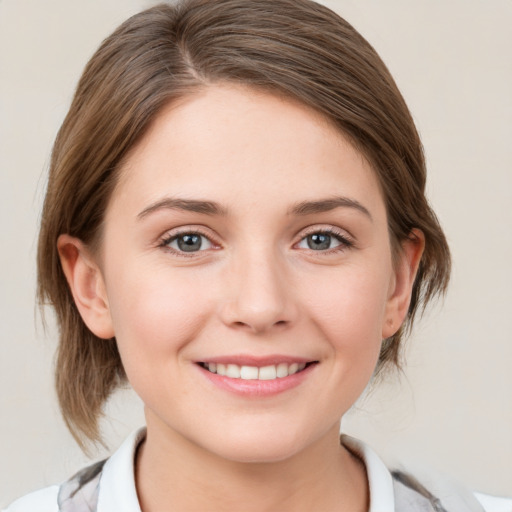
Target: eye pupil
189 243
319 241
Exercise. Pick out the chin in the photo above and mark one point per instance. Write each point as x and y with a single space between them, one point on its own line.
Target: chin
258 446
258 453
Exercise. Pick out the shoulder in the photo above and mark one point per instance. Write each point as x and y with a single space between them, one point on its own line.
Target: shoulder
44 500
77 493
494 503
404 490
107 486
443 495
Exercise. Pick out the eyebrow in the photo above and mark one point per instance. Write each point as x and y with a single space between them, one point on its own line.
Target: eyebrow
212 208
189 205
325 205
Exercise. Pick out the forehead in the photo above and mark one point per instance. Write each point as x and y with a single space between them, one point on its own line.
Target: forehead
229 137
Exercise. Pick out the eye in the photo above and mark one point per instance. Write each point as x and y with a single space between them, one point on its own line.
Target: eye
188 242
324 241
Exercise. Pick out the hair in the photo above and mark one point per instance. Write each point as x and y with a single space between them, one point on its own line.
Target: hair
294 48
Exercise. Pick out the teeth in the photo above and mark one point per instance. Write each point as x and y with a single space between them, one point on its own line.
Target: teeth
270 372
233 371
294 368
267 373
282 370
249 372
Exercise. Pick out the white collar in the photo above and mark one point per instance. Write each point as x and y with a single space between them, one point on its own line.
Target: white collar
380 482
117 485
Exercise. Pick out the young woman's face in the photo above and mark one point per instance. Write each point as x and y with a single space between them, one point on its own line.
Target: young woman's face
247 274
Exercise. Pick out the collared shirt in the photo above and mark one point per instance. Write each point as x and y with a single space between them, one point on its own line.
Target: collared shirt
117 492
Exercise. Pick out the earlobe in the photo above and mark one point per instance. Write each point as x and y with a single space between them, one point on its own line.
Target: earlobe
87 285
402 284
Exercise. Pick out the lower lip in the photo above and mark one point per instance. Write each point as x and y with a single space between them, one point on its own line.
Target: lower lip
258 388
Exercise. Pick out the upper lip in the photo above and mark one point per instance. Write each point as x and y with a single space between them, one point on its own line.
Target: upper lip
249 360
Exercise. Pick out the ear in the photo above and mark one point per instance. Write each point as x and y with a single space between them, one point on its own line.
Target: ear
87 285
401 285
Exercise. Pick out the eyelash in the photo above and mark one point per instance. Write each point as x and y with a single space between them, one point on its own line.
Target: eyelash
345 242
169 238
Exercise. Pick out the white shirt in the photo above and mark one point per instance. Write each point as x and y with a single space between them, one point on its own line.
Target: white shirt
117 491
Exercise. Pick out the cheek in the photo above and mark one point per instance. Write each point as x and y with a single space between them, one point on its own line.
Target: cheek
350 312
154 315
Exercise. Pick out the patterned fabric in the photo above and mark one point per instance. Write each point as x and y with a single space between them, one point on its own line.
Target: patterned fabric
80 493
410 495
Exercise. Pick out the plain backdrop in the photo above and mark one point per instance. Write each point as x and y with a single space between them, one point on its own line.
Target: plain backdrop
452 409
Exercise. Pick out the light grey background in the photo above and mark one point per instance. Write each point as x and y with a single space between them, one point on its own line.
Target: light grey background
453 62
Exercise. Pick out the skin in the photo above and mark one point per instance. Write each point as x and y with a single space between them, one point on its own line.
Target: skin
255 288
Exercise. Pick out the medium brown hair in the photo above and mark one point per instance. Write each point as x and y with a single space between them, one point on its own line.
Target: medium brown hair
294 48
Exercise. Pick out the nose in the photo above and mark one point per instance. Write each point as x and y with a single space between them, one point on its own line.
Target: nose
259 297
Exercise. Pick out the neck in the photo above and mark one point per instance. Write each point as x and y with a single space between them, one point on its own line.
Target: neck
174 474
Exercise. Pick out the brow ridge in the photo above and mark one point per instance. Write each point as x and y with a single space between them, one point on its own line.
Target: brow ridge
328 204
212 208
189 205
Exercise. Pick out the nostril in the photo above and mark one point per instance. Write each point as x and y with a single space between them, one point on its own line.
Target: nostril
254 326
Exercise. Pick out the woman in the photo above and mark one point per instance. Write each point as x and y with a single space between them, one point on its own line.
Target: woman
236 223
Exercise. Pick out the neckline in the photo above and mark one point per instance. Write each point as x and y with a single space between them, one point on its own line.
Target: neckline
118 490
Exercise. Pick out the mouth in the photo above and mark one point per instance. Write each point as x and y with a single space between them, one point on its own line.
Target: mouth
256 373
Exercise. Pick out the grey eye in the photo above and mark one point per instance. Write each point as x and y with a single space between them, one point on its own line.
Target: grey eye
320 242
189 242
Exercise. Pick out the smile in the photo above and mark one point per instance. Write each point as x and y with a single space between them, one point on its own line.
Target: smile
268 372
256 377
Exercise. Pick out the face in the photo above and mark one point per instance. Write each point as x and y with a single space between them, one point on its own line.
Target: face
246 273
